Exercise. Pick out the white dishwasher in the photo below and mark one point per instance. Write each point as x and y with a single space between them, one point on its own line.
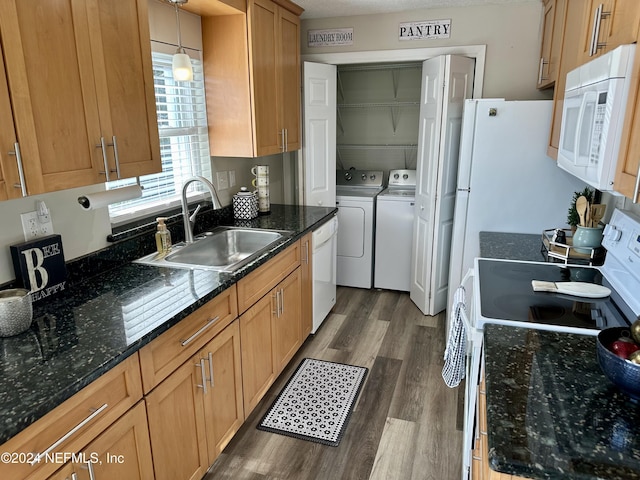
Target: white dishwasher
323 260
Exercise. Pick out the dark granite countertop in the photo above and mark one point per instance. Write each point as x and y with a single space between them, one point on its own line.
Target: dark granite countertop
101 320
551 412
511 246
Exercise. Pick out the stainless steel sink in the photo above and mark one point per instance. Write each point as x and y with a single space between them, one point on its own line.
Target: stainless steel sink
224 248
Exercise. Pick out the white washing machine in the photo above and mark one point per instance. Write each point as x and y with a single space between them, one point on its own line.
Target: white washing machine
394 231
356 192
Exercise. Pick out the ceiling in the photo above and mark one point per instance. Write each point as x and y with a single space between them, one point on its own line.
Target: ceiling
344 8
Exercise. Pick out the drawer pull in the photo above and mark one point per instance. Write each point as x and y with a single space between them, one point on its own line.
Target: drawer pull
186 342
68 434
211 369
203 375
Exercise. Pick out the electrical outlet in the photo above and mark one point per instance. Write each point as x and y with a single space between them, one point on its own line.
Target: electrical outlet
30 225
33 227
232 178
223 180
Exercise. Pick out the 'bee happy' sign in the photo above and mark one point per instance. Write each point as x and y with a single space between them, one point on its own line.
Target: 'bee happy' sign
39 266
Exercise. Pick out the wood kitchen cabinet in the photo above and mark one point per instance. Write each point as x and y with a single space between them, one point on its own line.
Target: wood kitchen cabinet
627 180
271 325
306 273
271 334
196 411
574 11
78 421
80 83
252 62
122 451
480 456
552 36
10 185
606 25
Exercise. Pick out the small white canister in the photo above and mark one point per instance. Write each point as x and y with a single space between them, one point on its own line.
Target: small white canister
245 204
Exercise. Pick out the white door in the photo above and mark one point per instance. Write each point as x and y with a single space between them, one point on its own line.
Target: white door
319 147
446 82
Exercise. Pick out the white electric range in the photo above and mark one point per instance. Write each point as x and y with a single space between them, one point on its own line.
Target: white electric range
500 292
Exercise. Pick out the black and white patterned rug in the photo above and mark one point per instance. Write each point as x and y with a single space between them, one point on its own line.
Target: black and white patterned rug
316 402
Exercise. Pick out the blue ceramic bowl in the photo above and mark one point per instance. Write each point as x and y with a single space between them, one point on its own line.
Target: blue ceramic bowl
622 373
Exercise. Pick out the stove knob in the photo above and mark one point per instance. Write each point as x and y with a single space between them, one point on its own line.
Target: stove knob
347 176
405 176
363 176
612 233
396 176
372 177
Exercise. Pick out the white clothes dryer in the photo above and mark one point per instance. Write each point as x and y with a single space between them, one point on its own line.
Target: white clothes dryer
356 192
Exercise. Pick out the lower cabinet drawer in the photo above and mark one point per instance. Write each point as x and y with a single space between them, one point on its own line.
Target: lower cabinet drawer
45 445
260 282
166 353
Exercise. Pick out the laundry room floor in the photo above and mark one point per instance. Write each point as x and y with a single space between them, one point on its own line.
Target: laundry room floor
406 423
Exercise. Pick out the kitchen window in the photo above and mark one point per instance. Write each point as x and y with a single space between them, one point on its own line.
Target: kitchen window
184 142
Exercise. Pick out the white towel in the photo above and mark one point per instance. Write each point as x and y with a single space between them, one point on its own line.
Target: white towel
454 367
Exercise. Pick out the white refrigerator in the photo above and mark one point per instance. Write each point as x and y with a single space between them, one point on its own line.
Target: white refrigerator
506 182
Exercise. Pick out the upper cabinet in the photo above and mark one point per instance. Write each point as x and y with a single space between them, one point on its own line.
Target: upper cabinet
606 25
552 36
252 67
570 31
627 181
79 81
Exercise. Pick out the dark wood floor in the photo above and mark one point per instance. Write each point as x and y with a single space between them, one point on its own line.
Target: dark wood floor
406 423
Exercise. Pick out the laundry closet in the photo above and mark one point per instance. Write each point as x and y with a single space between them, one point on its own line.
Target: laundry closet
378 108
377 120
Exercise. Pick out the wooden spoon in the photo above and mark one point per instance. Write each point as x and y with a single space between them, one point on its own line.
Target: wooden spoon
597 212
581 207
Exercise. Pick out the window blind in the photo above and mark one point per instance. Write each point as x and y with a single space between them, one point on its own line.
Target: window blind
184 142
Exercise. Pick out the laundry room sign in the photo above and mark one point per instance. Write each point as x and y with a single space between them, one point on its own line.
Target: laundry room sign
427 29
330 38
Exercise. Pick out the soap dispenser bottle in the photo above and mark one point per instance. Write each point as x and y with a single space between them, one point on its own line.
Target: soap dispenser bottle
163 237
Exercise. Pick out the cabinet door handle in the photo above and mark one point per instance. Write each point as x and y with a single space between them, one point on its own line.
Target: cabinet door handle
117 157
286 139
541 69
74 476
282 146
103 146
202 375
277 297
306 252
637 189
23 185
211 369
281 301
62 439
92 475
211 321
595 34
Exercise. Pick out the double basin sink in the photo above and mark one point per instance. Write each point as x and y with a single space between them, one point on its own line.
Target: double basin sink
224 249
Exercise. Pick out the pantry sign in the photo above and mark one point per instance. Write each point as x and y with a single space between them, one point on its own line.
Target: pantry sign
425 30
330 38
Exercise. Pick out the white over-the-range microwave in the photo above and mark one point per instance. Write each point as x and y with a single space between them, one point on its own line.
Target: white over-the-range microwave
592 117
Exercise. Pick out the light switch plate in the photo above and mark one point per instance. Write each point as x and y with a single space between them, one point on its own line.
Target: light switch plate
232 178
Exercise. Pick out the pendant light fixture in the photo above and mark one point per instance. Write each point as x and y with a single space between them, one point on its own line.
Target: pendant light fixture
181 64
